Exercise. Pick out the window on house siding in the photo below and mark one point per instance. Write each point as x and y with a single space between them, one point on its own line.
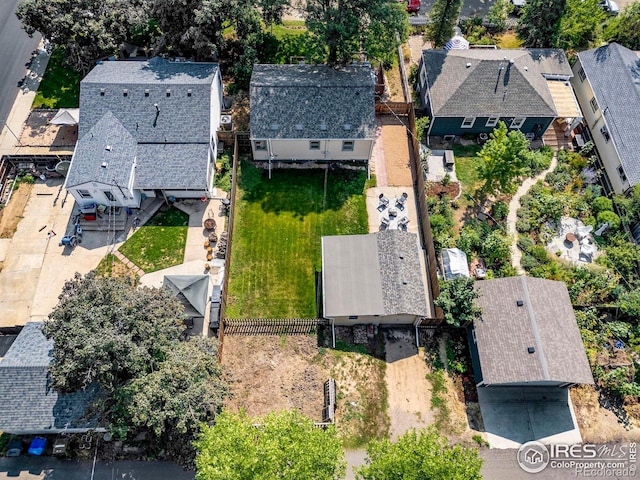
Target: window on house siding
623 176
260 144
517 122
109 196
423 76
314 145
353 317
468 122
347 146
492 121
84 193
582 75
594 104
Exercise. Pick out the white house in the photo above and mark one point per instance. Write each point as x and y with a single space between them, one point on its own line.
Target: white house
312 114
607 85
146 128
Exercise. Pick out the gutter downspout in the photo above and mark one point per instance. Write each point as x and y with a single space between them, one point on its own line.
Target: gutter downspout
333 332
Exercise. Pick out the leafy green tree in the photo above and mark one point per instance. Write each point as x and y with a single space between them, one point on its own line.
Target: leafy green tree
499 14
625 28
629 205
344 30
283 445
273 11
420 455
503 159
442 19
623 256
580 25
609 217
602 204
125 339
456 300
85 29
539 23
630 304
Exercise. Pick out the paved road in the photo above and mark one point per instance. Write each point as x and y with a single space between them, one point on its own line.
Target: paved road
49 468
470 8
15 51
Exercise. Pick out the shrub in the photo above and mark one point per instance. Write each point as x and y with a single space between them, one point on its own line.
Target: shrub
500 210
602 204
611 218
523 225
446 180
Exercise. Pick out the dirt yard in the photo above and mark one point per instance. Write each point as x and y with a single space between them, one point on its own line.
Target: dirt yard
10 215
270 373
38 132
599 424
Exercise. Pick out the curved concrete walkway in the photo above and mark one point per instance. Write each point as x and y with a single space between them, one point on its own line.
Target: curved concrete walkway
512 217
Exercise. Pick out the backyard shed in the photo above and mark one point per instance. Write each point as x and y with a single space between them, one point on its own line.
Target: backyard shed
454 263
376 278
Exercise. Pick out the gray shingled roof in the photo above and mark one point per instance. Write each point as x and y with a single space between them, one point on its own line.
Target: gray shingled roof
29 404
614 74
374 274
546 322
179 118
108 142
171 166
312 101
458 90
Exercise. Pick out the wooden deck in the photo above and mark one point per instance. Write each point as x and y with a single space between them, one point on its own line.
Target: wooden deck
555 138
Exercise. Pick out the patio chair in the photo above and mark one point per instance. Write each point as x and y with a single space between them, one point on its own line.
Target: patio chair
384 223
403 222
401 201
383 202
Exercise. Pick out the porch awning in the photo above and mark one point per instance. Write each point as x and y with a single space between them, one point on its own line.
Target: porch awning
564 99
66 116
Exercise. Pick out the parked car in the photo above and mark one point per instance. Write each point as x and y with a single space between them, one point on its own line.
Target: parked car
413 6
610 7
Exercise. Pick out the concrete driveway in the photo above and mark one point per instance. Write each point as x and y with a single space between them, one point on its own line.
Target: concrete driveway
515 415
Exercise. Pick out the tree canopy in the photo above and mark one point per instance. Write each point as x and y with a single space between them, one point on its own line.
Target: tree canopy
343 30
625 28
419 455
503 159
442 19
127 341
457 301
540 22
580 24
284 445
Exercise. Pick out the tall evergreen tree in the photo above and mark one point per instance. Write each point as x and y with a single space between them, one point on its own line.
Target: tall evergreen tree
540 23
442 19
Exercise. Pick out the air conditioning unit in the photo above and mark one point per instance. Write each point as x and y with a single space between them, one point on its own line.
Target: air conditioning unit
225 123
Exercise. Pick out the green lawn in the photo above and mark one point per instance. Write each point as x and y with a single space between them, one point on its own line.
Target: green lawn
276 239
160 242
466 172
288 27
60 86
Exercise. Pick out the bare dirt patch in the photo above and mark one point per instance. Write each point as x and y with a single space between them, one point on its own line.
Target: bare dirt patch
396 151
269 373
240 112
597 418
452 190
10 215
38 132
394 84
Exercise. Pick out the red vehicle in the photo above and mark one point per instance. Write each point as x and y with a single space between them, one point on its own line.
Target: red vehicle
413 6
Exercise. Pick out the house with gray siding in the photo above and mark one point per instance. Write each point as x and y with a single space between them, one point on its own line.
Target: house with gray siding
470 91
607 84
146 129
527 335
30 406
376 278
312 114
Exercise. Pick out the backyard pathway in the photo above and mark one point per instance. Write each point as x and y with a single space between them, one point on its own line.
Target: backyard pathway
512 217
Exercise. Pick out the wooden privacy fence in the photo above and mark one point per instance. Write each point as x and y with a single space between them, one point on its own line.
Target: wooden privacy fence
270 326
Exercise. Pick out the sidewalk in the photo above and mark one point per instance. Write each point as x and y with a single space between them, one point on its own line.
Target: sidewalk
22 106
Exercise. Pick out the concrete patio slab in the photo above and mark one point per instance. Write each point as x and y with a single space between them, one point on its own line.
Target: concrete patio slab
391 193
515 415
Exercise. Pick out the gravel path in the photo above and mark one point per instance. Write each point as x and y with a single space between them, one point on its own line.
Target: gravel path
512 217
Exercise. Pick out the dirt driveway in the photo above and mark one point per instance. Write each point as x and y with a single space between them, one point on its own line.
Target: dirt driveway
409 392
